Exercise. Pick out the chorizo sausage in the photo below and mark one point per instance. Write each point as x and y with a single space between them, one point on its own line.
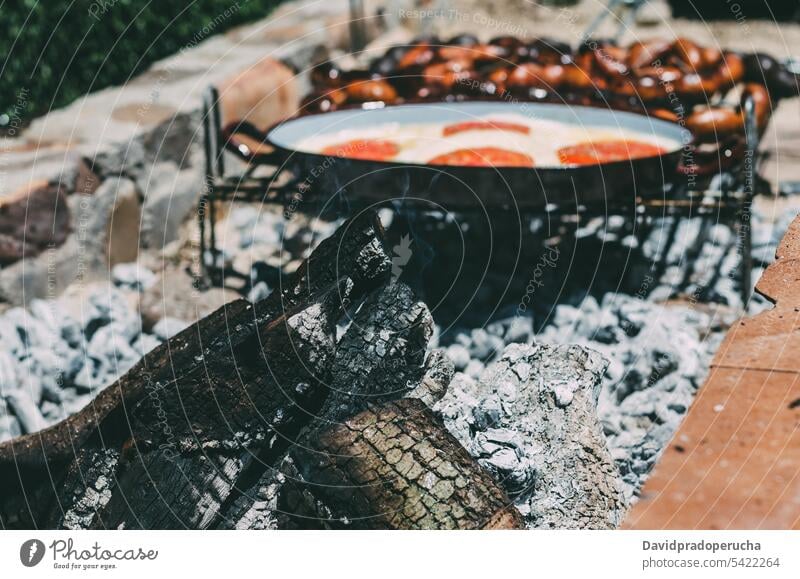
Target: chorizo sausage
696 86
703 161
731 70
479 53
649 88
526 75
371 90
711 124
448 74
711 57
689 53
608 63
420 55
323 102
664 115
764 69
761 102
577 78
326 75
646 54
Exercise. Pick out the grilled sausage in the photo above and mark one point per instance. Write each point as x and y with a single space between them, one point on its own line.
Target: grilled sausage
689 54
577 78
699 87
761 101
418 56
526 75
371 90
665 115
711 124
731 70
609 63
711 57
647 54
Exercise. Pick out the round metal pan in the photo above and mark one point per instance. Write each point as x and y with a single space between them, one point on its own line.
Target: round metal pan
455 187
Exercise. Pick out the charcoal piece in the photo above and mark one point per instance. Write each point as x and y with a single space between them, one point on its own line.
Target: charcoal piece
395 466
381 354
86 488
8 373
439 372
256 508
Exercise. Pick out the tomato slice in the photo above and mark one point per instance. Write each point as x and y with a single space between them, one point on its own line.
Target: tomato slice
606 151
485 126
368 149
483 157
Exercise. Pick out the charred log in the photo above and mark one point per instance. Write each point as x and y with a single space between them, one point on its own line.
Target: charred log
381 356
238 382
395 466
382 353
197 436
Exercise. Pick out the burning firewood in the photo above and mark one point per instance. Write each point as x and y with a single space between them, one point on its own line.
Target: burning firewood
381 356
195 399
208 430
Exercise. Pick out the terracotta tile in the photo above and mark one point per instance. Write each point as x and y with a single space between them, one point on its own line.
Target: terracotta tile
735 461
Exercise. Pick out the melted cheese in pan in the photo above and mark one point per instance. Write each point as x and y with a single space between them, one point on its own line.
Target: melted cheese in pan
421 142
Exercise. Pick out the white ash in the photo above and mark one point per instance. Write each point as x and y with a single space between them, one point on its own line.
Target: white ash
658 355
531 419
167 327
56 355
659 344
132 276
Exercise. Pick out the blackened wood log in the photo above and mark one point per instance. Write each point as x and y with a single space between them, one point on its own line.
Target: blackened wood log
395 466
439 372
382 353
167 408
381 356
194 438
87 484
354 251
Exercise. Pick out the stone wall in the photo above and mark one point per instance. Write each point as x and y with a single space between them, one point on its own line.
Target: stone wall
120 170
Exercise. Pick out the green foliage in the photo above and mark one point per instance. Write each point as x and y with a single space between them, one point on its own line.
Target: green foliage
57 50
